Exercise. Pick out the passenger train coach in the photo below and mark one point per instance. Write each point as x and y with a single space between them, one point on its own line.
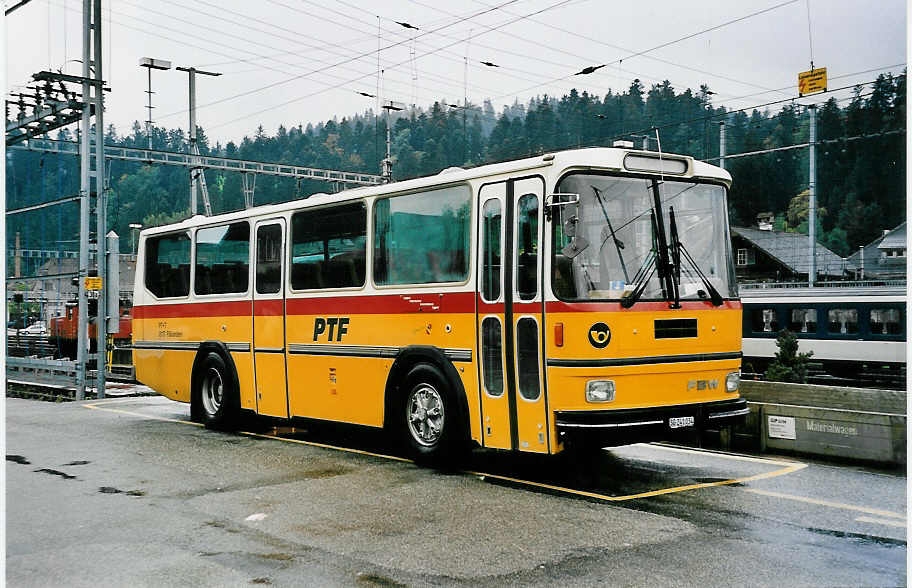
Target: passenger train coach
847 329
581 297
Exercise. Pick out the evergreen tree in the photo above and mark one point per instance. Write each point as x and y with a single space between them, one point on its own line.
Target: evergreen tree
789 365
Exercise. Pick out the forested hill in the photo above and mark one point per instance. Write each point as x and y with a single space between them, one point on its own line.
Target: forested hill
861 164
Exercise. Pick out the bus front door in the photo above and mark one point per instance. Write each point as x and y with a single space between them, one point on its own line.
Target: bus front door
269 320
510 310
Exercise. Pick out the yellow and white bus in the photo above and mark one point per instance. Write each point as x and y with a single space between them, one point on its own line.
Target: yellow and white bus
576 298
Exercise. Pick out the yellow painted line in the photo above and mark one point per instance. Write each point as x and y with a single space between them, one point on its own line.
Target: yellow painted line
881 522
828 503
731 456
327 446
95 406
789 467
794 467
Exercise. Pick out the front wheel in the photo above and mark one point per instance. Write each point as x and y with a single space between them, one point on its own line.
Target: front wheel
215 397
430 420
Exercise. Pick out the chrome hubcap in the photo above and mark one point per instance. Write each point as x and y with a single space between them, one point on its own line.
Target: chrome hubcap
212 391
424 414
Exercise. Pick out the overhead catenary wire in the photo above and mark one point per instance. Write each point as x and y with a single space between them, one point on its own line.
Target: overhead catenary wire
672 42
244 38
626 50
552 6
343 62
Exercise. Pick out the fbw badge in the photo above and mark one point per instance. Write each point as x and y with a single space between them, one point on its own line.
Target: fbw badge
599 335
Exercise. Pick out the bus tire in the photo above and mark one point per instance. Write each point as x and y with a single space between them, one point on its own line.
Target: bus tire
428 416
214 399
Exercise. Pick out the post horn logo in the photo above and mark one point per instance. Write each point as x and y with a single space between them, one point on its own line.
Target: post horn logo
599 335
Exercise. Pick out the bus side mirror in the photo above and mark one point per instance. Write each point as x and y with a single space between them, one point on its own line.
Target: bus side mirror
559 199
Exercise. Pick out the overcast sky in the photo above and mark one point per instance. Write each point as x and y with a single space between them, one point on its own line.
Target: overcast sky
314 56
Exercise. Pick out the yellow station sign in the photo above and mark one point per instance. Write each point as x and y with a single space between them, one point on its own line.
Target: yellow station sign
93 283
811 82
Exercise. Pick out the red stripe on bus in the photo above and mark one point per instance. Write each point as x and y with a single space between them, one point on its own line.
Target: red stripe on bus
268 307
193 309
456 302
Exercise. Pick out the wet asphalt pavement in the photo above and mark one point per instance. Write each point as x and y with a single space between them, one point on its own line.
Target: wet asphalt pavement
129 493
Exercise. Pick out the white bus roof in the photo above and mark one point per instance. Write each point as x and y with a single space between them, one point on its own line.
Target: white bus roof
592 158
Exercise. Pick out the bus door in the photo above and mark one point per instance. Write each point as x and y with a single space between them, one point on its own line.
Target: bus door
269 319
510 310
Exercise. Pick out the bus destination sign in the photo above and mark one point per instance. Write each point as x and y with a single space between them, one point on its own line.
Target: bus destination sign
811 82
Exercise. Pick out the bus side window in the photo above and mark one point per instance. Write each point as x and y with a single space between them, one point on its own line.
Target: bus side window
527 247
490 273
422 238
168 265
222 259
268 263
328 247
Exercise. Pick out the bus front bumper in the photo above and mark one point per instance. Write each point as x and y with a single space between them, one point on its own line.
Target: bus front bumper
622 426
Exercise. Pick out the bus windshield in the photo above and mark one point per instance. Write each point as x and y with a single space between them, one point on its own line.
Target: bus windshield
606 243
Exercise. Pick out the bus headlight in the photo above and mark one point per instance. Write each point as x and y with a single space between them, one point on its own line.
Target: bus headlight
732 382
599 391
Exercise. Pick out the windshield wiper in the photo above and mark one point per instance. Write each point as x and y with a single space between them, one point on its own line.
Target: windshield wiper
677 249
644 274
618 244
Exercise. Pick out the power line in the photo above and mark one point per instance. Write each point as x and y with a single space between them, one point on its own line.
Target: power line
287 102
669 43
297 77
243 38
626 50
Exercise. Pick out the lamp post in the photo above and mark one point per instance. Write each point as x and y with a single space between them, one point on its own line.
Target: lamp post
150 64
133 228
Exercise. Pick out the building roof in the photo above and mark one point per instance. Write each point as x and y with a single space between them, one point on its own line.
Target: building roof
875 263
895 239
791 250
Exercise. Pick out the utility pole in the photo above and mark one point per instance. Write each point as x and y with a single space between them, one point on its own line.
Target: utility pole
722 144
150 64
101 212
91 39
812 196
197 178
386 166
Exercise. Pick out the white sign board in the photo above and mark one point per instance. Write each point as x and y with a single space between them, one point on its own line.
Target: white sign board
781 427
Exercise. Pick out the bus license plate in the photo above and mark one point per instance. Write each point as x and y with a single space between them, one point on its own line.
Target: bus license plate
679 422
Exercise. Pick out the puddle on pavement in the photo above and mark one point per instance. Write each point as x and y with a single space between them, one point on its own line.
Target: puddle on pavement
63 475
17 459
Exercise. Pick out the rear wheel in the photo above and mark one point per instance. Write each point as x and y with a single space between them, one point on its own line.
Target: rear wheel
214 401
429 419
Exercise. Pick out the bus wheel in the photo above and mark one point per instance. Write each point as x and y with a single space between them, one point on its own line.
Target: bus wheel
214 397
429 425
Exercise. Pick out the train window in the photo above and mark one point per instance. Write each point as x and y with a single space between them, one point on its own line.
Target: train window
803 320
764 320
843 320
885 321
